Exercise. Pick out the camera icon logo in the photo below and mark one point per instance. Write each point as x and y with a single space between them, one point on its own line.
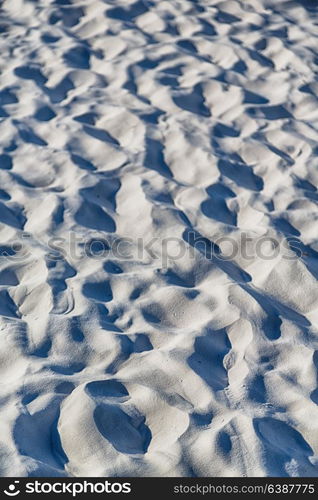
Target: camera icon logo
13 491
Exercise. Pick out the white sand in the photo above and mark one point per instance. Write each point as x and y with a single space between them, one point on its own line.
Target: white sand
151 119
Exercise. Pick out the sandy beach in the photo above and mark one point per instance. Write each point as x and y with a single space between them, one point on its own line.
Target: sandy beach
158 238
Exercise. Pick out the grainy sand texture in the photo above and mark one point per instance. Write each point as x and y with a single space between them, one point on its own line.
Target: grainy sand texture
145 146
